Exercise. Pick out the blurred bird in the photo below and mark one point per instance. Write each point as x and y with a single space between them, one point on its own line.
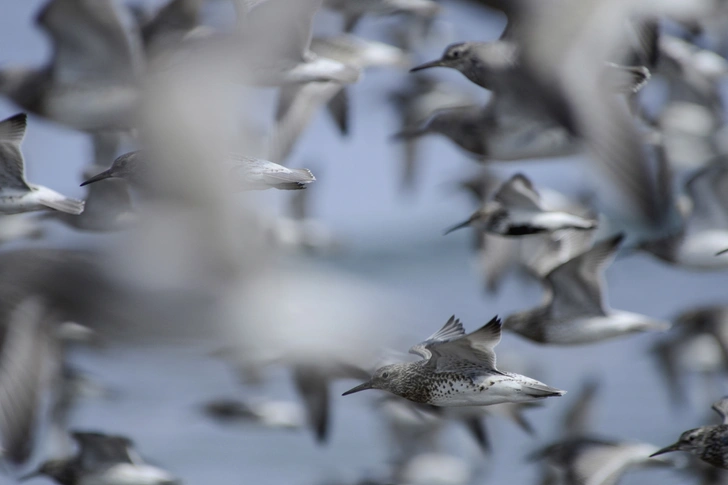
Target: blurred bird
273 47
91 81
488 63
457 370
26 364
298 103
107 207
696 344
704 229
708 442
353 10
575 312
498 131
102 458
170 24
596 461
516 210
247 173
273 414
16 194
416 103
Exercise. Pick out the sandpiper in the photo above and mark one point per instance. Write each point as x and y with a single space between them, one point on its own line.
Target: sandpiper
576 312
297 103
485 64
90 84
699 241
695 345
272 414
457 370
16 194
707 442
501 130
274 46
103 458
249 173
107 207
516 210
596 461
415 104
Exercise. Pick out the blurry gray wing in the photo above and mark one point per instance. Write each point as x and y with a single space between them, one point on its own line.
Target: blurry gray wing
89 41
305 102
12 167
721 407
707 189
451 330
176 17
568 76
518 193
281 29
27 344
578 418
576 285
476 347
314 389
604 464
97 450
259 174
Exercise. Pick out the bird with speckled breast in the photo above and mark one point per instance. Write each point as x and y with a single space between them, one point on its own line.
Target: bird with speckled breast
709 443
457 370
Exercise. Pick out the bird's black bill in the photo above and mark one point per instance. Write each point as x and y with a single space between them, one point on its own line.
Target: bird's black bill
458 226
103 175
722 251
667 449
360 387
427 65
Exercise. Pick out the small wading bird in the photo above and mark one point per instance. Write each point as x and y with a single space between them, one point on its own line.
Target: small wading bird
16 194
516 210
457 370
709 443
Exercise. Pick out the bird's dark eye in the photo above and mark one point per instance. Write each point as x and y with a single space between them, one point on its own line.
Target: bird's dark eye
385 375
455 54
691 438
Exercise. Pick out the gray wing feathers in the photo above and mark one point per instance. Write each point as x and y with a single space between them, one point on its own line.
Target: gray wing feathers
451 330
576 284
475 347
67 205
27 345
721 407
518 192
12 170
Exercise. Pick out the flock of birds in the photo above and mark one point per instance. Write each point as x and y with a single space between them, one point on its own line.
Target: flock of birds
566 77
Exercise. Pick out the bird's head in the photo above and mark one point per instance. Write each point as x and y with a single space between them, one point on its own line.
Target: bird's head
385 378
691 441
127 166
455 56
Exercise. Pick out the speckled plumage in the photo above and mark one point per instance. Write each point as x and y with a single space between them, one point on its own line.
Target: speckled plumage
457 370
709 443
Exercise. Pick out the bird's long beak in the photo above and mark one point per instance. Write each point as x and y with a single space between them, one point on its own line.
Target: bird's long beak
667 449
101 176
460 226
30 475
722 251
427 65
360 387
